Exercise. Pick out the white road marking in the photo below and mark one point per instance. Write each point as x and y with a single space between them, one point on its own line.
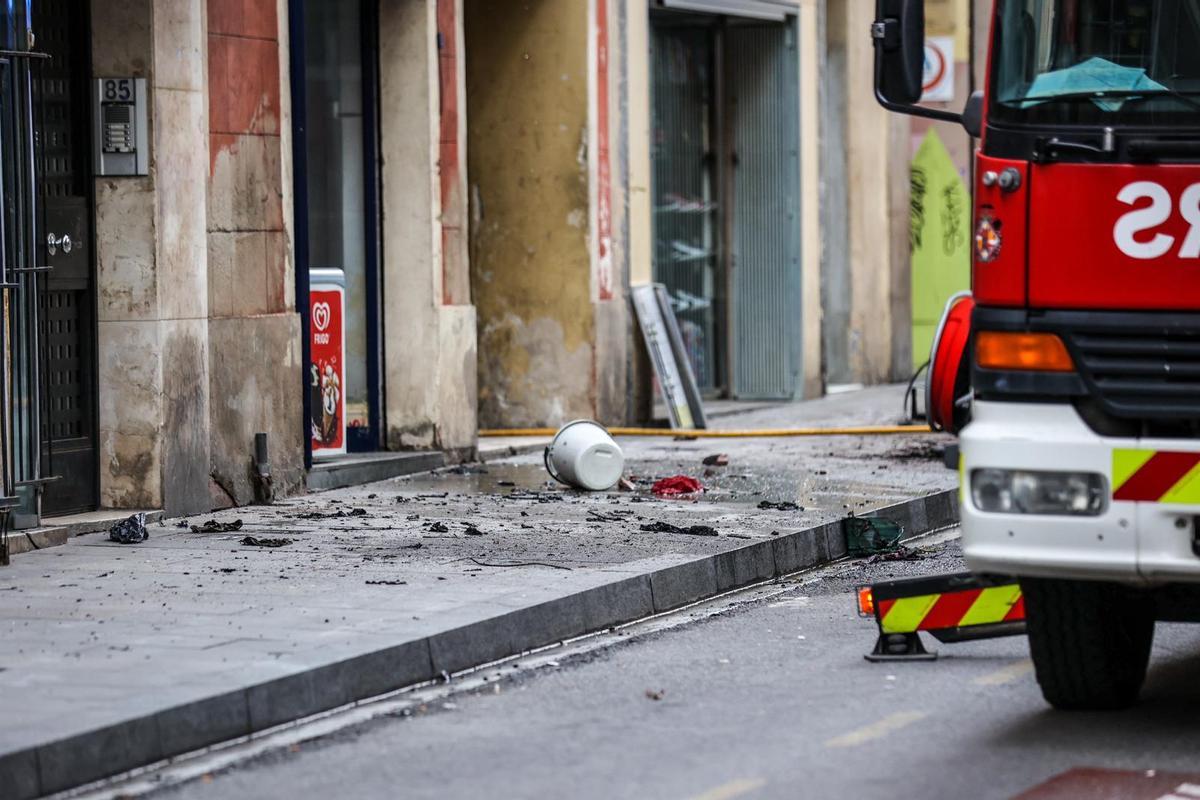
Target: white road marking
732 789
877 730
1009 674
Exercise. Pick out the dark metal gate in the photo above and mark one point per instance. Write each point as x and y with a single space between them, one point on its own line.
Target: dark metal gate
764 95
20 373
68 304
47 342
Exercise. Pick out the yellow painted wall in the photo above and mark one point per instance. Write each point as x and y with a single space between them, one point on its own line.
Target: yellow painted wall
527 103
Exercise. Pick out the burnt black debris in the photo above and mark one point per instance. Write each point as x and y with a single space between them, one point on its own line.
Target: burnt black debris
716 460
438 527
538 497
253 541
902 553
213 526
473 531
786 505
339 514
691 530
387 583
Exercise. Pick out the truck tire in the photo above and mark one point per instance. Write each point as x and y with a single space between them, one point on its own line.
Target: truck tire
1090 642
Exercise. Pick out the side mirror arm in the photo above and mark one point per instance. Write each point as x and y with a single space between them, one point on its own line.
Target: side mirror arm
880 32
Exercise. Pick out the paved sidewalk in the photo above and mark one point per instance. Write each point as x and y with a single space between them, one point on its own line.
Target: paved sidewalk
117 656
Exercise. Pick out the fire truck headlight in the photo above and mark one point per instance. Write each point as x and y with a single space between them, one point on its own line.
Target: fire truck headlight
1073 494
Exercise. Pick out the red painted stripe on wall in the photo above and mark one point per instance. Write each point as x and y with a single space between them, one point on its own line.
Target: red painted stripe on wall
449 131
604 265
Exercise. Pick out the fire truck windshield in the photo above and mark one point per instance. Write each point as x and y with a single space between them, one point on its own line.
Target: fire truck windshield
1103 62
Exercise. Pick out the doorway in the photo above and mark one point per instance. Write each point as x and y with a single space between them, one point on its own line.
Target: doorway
335 67
62 120
726 218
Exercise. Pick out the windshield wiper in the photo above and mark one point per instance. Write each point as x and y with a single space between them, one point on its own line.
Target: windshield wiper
1114 94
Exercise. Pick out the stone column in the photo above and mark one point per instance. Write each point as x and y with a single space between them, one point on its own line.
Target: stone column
255 372
429 325
151 267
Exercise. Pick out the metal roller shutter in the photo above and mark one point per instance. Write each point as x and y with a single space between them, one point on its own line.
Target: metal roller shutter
756 9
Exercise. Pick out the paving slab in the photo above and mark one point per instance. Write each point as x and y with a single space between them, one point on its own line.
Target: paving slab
116 656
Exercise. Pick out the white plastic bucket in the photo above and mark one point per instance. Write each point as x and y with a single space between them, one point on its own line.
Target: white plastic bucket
583 455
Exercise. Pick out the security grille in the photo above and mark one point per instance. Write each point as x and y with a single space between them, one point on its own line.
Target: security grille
764 93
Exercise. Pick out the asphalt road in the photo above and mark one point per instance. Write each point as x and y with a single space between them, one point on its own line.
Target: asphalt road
769 700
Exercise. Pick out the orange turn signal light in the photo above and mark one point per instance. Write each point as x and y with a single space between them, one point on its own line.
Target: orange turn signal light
1032 352
866 602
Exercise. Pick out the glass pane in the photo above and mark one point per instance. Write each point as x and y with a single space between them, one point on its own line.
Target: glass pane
337 222
1102 61
686 246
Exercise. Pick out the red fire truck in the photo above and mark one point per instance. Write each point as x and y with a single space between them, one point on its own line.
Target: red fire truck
1073 369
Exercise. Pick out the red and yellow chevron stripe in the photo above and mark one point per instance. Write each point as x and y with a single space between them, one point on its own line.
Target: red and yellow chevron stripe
1156 476
969 608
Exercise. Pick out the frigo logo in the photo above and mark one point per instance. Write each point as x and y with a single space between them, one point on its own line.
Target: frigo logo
320 316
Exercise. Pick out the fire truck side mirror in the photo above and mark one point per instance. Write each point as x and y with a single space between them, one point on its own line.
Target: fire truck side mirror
972 117
899 35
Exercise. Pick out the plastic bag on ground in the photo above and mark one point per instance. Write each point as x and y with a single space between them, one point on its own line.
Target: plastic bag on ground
130 531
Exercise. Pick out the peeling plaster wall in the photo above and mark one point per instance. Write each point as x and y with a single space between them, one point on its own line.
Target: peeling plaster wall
254 330
873 301
531 267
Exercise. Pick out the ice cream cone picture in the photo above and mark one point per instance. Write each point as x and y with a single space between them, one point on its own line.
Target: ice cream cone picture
331 395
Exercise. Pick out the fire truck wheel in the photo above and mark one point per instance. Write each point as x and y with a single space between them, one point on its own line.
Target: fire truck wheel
1090 642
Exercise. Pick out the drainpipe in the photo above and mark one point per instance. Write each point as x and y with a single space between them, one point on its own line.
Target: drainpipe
264 491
